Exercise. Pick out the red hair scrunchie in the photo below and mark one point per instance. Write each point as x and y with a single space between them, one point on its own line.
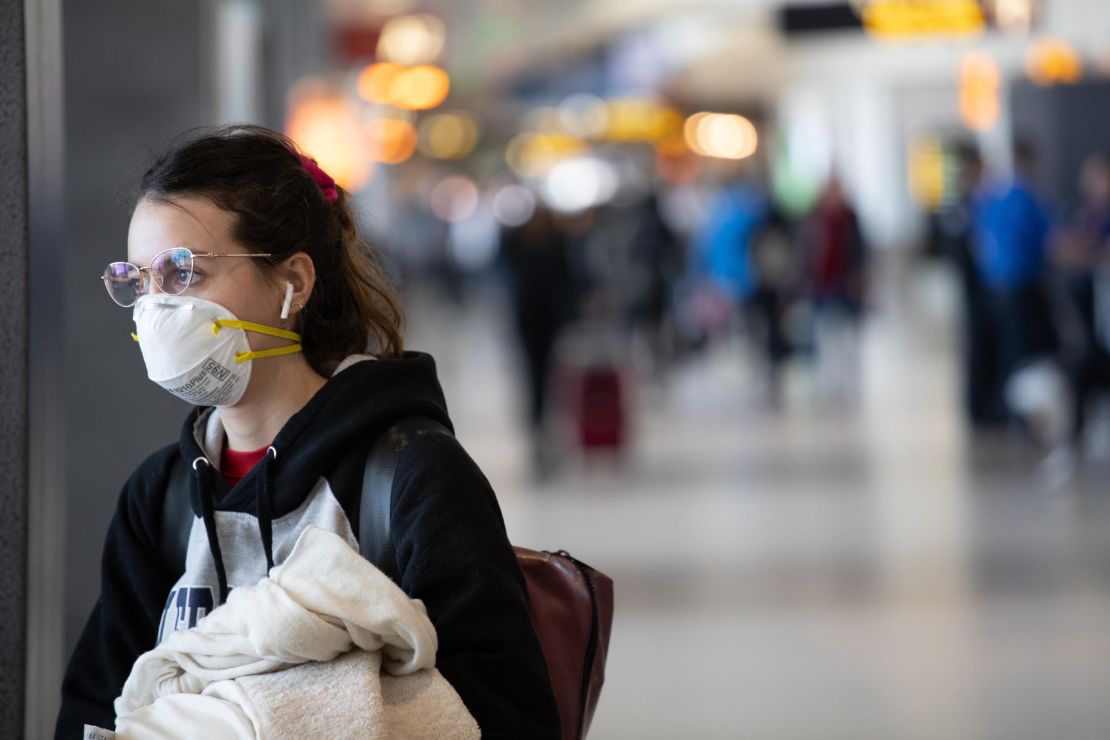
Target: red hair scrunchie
323 179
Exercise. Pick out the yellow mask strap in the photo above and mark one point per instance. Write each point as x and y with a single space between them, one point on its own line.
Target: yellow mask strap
291 349
260 329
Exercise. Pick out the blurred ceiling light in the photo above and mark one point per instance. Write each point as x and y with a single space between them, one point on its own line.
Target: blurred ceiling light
908 18
641 119
721 135
454 199
390 140
1013 15
690 131
409 88
375 82
533 155
728 137
1052 61
574 185
513 205
412 39
584 115
419 88
979 81
325 125
448 135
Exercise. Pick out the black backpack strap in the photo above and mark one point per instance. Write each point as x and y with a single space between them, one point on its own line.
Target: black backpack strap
374 541
177 517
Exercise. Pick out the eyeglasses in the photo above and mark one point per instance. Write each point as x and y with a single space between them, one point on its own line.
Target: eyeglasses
171 271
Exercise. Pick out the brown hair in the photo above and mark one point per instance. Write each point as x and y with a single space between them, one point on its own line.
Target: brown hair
256 173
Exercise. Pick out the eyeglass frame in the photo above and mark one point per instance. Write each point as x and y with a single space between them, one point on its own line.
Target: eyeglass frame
146 276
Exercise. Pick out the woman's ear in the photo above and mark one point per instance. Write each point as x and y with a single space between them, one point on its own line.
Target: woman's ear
300 272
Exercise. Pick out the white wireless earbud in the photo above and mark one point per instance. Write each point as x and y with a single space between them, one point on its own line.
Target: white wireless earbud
288 300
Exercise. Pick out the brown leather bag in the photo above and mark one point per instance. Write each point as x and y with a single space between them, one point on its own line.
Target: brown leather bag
572 604
572 611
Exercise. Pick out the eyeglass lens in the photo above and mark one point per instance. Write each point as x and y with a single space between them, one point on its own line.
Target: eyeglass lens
124 282
171 271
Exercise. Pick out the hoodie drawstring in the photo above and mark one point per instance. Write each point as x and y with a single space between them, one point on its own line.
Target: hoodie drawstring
203 470
263 486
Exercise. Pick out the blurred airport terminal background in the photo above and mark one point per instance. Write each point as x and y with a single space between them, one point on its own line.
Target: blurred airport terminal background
792 316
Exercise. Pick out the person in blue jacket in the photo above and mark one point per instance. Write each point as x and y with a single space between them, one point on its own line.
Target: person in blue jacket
1011 230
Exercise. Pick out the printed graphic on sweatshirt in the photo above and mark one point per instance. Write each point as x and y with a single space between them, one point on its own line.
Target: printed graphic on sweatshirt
193 596
185 606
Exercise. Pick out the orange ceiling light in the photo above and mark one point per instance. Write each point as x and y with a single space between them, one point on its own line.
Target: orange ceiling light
721 135
325 126
375 82
390 140
979 82
420 88
1051 62
448 135
412 39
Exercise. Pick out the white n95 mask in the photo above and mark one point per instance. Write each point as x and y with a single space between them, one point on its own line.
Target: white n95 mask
198 350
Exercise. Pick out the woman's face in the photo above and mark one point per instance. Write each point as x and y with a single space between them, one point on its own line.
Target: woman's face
235 283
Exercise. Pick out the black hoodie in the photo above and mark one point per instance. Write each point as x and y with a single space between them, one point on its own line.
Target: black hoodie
451 548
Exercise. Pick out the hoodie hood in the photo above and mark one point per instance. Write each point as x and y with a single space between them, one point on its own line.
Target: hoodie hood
362 399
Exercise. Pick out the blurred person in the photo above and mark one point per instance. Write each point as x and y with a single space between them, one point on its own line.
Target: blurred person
632 257
255 300
983 399
1080 250
719 274
775 272
836 258
657 250
1012 226
594 355
544 294
414 236
721 252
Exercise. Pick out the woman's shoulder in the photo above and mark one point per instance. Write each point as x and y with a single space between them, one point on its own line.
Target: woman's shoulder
438 452
436 471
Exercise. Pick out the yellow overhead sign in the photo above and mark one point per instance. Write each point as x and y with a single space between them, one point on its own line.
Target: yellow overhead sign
908 18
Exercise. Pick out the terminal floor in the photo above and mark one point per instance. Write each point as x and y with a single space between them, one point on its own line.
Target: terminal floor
824 571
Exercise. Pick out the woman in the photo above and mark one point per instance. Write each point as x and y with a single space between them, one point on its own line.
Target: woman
255 300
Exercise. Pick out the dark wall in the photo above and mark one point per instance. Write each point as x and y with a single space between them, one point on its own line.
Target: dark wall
14 297
134 77
1065 123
